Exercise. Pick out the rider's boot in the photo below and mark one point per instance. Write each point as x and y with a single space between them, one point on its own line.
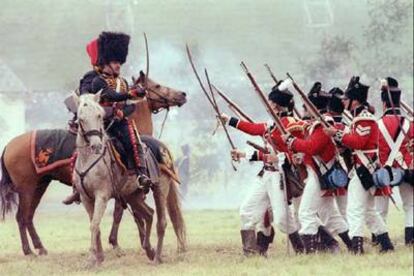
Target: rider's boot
74 197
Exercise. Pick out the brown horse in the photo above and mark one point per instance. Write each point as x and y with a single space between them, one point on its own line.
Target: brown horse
166 196
18 176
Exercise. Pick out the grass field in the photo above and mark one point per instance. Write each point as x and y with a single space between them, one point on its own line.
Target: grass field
214 249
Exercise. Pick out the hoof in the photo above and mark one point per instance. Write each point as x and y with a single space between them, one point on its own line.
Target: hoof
93 262
158 260
150 253
119 252
28 252
42 252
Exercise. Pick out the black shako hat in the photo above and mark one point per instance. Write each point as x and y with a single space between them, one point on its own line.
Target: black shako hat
356 90
318 97
390 84
281 95
335 102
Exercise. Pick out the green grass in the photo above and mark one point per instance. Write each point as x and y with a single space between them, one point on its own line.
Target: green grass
214 249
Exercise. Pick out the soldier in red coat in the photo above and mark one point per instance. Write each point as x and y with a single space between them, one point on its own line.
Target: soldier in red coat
320 155
363 140
268 191
396 132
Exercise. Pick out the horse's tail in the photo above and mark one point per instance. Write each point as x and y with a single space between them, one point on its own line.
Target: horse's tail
176 215
174 201
7 196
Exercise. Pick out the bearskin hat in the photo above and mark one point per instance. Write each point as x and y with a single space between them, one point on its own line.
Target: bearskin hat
335 103
318 97
390 84
112 47
281 95
356 90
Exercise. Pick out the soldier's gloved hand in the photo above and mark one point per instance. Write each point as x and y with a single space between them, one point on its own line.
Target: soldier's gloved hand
237 155
224 118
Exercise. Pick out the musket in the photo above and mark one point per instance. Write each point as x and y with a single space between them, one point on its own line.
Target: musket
216 108
233 106
407 108
211 100
295 110
263 99
308 103
271 73
239 112
258 147
279 126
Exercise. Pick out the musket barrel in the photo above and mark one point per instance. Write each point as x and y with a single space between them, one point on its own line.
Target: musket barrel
407 108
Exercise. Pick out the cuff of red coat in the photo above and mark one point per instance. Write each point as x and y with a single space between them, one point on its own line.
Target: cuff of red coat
233 122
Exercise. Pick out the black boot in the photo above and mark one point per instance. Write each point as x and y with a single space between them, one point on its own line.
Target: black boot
249 242
297 243
409 235
374 240
309 241
358 245
74 197
143 181
264 241
346 239
385 243
327 241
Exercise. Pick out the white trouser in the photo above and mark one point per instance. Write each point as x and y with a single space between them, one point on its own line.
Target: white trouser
313 204
263 193
407 198
341 202
334 221
361 209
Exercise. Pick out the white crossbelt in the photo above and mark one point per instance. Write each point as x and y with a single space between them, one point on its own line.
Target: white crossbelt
395 153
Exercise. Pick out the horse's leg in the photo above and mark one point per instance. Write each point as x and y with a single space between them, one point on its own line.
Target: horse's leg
89 207
143 212
22 217
139 221
40 190
117 217
99 210
176 216
160 199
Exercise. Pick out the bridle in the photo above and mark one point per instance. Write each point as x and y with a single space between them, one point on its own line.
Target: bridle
90 133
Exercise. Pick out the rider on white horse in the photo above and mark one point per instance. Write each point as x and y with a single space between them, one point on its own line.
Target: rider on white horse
107 53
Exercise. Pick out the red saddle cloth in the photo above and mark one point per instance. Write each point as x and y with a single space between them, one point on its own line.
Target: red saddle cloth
51 148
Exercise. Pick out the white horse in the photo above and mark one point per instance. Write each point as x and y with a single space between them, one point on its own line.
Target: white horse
98 177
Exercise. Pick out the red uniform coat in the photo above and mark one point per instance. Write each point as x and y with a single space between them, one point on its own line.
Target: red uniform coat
392 124
363 136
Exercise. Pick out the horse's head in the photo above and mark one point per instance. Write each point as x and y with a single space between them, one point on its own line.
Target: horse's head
90 117
161 97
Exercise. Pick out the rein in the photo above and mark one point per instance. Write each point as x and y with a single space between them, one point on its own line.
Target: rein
87 134
84 173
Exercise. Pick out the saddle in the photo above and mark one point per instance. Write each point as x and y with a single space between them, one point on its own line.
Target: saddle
125 161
